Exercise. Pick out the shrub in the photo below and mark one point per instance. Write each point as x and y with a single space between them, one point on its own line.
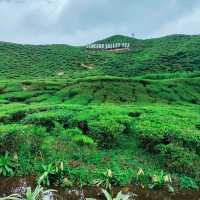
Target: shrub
188 183
83 140
76 135
106 132
16 137
71 132
180 160
73 92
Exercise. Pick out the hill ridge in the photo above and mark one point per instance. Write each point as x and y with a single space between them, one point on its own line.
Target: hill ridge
169 54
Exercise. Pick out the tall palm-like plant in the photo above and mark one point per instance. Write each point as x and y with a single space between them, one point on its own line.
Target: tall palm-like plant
37 194
6 165
119 196
12 197
44 179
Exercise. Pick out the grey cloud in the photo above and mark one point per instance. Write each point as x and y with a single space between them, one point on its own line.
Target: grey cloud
82 21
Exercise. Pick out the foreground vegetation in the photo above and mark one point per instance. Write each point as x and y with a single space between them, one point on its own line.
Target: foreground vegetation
60 132
37 194
110 128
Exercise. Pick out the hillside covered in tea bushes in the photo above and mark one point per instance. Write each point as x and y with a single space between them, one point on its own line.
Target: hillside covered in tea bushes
176 53
70 116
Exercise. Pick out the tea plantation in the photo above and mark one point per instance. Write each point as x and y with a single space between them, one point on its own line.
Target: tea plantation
71 116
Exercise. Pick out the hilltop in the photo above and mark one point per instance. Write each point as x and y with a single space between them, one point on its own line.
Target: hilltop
116 38
175 53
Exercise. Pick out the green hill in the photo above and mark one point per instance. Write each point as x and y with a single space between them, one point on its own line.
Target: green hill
74 116
176 53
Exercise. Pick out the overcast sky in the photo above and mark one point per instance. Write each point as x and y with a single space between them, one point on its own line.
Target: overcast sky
82 21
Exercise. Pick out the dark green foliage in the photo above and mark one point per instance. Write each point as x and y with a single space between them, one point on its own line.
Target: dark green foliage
180 160
160 180
7 165
106 132
107 180
48 171
16 138
188 183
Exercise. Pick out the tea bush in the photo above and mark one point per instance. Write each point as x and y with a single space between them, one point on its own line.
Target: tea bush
180 160
14 138
106 132
188 183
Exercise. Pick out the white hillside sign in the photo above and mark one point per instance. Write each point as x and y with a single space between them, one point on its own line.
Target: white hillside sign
109 46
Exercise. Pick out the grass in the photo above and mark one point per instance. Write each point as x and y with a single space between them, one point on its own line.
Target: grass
131 117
